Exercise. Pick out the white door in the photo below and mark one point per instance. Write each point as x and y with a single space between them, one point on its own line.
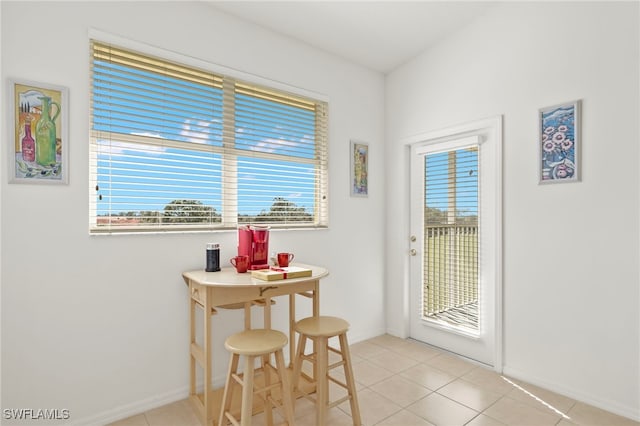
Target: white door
455 240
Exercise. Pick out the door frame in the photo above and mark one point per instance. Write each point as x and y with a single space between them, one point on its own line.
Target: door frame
493 125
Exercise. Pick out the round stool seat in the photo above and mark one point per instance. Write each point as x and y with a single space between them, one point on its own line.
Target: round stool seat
256 342
324 326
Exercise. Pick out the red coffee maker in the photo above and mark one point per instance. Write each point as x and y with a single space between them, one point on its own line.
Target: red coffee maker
253 241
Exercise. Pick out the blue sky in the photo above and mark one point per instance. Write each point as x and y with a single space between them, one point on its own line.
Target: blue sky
466 181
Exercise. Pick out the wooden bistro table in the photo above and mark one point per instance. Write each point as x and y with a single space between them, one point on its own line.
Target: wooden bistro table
229 289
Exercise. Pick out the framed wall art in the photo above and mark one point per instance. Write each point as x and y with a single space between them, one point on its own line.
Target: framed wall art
559 143
359 169
39 145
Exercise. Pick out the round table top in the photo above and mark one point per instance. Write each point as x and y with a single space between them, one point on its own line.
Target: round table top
228 277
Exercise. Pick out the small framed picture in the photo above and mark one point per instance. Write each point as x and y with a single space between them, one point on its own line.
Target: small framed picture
559 143
39 145
359 169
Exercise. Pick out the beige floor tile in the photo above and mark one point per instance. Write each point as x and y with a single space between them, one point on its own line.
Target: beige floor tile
365 349
338 374
400 390
368 373
303 407
387 341
469 394
451 364
137 420
373 407
435 387
540 398
583 414
482 420
439 410
179 413
565 422
335 416
393 361
356 358
512 412
416 350
404 418
260 419
427 376
489 380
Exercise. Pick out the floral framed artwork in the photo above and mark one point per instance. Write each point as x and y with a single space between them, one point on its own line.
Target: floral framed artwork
39 145
359 169
559 143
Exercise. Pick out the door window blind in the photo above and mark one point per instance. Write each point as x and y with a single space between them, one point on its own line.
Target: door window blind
179 148
450 291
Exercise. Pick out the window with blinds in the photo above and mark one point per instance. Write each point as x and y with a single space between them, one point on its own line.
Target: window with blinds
450 291
179 148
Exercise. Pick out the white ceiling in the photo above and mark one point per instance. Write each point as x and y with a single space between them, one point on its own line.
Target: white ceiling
380 35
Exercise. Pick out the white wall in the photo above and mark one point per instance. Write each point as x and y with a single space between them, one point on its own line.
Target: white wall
571 283
1 187
99 325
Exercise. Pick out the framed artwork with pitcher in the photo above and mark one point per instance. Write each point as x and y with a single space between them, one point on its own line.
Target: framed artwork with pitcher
39 148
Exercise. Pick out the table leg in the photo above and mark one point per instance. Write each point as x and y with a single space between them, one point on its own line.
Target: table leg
292 331
267 313
192 334
316 299
247 315
208 396
317 348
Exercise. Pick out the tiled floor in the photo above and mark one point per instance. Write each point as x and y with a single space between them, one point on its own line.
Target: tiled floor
406 383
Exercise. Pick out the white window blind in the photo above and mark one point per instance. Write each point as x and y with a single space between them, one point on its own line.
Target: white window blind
451 237
179 148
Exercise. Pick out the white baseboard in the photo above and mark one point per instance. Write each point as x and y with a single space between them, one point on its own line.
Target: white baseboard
604 404
397 333
133 408
360 337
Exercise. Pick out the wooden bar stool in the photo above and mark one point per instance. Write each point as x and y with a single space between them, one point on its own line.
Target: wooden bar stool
320 329
252 344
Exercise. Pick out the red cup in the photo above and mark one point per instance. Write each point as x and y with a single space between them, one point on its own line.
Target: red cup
284 259
241 263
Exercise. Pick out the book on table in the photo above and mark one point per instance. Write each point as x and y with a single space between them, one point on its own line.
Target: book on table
281 273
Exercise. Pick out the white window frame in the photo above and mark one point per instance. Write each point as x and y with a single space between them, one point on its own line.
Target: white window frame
229 213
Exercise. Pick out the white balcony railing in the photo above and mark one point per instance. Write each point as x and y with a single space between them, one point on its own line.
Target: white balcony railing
450 279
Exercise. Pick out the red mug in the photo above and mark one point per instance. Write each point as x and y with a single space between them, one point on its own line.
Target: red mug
284 259
241 263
